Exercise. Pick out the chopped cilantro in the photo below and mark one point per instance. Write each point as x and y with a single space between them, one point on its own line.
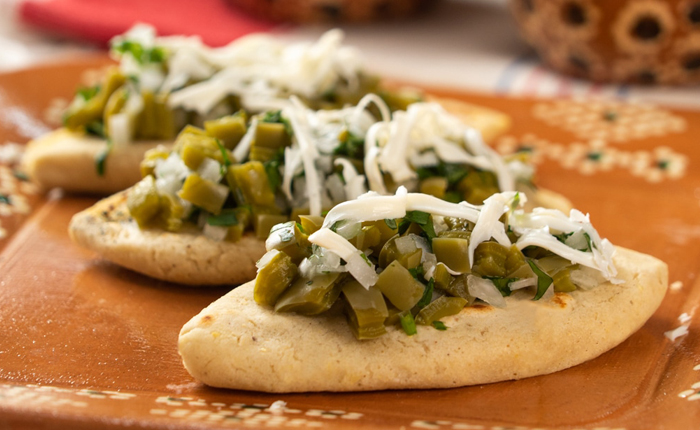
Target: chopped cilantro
424 173
391 223
543 280
142 55
284 231
96 128
502 284
5 199
453 197
516 201
439 325
561 237
101 159
88 92
408 323
453 172
274 178
429 229
353 146
424 221
364 257
589 243
417 272
427 295
156 55
276 117
224 153
226 218
417 216
135 49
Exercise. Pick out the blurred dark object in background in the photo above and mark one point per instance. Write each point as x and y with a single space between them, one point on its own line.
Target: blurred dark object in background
330 11
631 41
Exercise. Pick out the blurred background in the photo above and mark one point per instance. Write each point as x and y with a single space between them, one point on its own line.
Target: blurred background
622 49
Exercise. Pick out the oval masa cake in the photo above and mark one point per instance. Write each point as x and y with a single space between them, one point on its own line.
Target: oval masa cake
235 343
65 159
186 257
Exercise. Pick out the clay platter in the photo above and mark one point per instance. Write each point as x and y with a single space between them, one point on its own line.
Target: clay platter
86 344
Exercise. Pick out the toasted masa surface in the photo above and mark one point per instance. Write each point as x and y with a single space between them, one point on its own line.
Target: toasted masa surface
185 257
234 343
65 159
544 198
491 123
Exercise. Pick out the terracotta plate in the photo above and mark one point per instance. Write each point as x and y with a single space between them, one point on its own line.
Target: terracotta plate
85 344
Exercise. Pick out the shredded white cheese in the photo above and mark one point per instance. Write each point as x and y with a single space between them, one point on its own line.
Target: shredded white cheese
423 136
257 68
535 231
357 264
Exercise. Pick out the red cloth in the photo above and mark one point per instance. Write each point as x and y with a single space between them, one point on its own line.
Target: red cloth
99 20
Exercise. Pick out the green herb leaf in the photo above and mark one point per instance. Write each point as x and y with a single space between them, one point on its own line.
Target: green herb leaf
417 272
143 55
516 201
439 325
543 280
127 46
453 197
502 284
276 117
427 295
5 199
224 152
408 323
334 227
563 236
224 155
425 173
403 226
391 223
284 230
96 128
226 218
274 178
589 243
420 218
429 229
156 55
353 146
88 92
101 159
364 257
453 172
